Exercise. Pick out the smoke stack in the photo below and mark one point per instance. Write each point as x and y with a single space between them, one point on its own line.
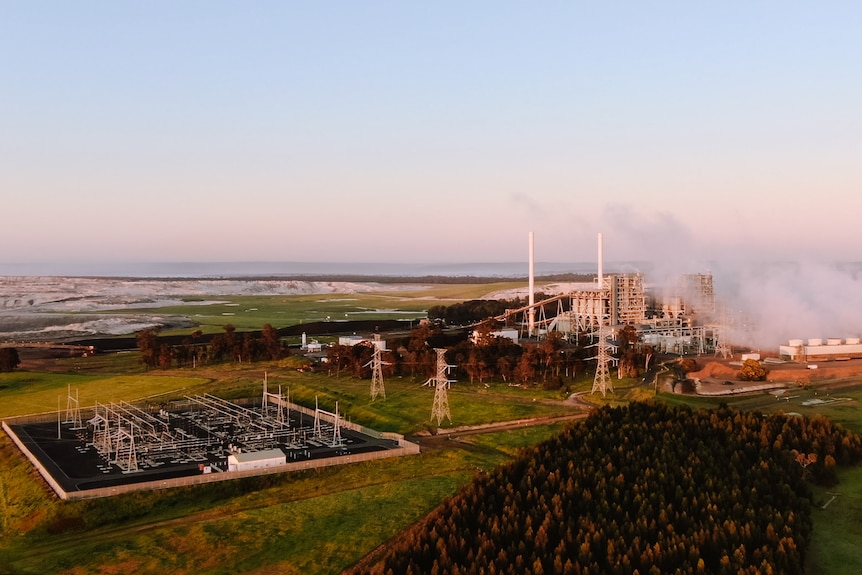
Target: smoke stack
531 315
601 273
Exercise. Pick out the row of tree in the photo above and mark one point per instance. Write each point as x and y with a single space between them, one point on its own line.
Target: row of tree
639 489
477 310
226 346
483 357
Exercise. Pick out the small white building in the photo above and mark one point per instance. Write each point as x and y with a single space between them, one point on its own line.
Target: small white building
511 334
314 346
256 460
350 340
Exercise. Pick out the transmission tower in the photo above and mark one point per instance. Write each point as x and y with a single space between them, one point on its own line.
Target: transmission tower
721 333
318 431
73 410
377 364
441 384
281 404
602 381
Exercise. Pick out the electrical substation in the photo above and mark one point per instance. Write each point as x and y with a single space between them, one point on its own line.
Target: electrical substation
104 446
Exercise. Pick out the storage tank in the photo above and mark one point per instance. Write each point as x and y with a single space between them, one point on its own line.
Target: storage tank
833 341
852 341
795 342
817 341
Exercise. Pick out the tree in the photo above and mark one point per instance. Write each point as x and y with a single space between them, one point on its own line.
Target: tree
148 344
525 370
504 368
550 352
628 352
165 356
271 342
484 332
804 460
752 371
9 359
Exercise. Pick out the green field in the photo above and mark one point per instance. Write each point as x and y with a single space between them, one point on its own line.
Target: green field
840 405
251 312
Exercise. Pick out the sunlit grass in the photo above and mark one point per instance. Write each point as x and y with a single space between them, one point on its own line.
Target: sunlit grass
23 393
838 528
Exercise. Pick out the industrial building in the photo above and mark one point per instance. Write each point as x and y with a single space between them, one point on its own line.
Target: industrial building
256 460
815 350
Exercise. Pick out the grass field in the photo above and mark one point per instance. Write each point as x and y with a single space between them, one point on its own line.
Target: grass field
841 404
838 527
252 312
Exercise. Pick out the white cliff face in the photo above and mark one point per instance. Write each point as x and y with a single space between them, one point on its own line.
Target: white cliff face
43 308
91 294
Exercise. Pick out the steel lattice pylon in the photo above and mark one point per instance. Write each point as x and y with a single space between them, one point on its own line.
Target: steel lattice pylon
377 389
602 381
722 333
441 385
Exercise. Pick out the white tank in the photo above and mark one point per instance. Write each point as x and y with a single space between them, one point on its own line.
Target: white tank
817 341
795 342
833 341
852 341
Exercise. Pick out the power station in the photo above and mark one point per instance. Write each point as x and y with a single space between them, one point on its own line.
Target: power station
678 319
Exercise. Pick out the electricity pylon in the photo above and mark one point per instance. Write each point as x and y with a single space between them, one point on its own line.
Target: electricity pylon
377 364
721 333
602 381
441 384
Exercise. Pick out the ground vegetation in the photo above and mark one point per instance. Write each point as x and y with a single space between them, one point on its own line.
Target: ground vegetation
229 345
9 359
752 370
639 489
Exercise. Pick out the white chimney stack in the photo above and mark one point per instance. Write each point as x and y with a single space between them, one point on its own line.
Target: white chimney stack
531 321
601 273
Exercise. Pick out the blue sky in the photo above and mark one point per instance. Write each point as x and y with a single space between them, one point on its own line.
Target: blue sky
429 132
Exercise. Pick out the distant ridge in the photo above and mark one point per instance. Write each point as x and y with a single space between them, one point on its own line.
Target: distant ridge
304 270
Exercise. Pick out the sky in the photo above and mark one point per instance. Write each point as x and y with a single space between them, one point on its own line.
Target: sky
377 131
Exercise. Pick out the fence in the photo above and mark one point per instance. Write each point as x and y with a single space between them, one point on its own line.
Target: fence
404 448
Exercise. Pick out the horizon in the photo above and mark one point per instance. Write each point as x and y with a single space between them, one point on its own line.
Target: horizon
490 269
205 270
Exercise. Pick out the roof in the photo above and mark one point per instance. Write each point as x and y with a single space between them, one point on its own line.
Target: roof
259 455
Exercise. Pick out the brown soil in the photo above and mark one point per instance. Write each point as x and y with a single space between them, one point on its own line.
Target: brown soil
789 372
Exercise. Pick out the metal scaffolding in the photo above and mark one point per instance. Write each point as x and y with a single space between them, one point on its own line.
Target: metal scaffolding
203 428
